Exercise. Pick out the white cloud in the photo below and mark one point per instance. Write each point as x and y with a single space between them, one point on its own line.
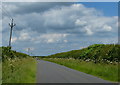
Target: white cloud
65 41
60 1
24 36
107 28
29 49
73 18
77 18
14 39
49 38
67 25
21 0
79 22
56 23
88 31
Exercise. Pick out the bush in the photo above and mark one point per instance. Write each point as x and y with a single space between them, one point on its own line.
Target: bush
96 52
8 53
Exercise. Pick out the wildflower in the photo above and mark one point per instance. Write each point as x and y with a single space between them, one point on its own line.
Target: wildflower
111 62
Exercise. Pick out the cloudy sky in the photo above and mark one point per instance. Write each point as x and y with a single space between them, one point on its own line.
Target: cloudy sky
52 27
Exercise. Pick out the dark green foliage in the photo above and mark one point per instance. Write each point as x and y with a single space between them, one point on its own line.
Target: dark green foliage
17 67
0 54
8 53
96 52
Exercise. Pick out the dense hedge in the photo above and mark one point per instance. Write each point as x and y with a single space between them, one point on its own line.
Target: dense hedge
0 53
96 52
8 53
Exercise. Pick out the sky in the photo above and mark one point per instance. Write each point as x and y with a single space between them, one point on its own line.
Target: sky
53 27
60 0
108 8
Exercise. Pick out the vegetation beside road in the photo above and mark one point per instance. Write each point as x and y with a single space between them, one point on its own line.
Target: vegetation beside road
0 66
0 72
97 53
17 67
99 60
101 70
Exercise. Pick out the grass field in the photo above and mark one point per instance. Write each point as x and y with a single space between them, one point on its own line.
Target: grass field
102 70
19 70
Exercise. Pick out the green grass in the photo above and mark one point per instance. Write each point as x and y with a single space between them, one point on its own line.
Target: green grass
17 67
0 72
0 66
19 70
102 70
100 60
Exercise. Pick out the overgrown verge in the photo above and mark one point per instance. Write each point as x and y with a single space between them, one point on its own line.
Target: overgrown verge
0 72
0 66
99 59
101 70
17 67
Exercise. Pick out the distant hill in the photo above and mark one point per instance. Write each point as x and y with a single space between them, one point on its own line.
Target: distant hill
8 53
97 52
39 56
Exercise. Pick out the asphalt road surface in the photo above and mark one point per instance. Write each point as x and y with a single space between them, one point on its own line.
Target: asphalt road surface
48 72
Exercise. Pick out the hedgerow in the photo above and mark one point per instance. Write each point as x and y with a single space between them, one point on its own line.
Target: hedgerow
96 52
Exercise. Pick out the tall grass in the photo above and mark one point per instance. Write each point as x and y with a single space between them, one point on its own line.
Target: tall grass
19 70
102 70
0 72
0 66
17 67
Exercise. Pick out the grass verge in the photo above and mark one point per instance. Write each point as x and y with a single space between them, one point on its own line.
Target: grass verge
101 70
19 70
0 72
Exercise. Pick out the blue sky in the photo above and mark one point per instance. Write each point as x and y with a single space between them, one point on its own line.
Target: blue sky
108 8
49 28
